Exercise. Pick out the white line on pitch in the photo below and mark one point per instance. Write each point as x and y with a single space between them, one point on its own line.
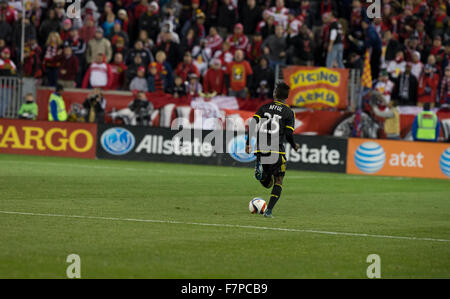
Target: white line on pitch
228 225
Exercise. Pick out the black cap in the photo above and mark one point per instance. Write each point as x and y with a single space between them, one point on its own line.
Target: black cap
59 87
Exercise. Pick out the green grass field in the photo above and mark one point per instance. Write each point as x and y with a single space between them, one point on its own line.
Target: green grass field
151 220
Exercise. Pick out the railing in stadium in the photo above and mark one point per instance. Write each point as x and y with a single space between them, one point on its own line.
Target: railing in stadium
11 96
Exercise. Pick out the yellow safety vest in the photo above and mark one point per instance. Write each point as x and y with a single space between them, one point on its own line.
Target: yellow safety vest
427 122
62 114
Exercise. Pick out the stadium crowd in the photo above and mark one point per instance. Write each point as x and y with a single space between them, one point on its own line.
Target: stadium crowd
227 47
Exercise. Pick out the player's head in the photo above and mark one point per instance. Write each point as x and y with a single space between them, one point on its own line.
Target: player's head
281 92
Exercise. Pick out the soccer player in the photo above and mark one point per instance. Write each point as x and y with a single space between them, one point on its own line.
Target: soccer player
273 124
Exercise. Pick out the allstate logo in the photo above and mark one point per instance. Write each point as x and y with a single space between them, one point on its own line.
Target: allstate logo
117 141
444 163
370 157
236 149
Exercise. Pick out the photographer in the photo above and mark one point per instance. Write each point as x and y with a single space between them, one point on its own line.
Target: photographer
142 110
94 107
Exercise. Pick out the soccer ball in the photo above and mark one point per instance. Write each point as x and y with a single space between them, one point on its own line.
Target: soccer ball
257 206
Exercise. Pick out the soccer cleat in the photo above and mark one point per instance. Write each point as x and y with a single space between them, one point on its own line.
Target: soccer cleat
268 214
258 171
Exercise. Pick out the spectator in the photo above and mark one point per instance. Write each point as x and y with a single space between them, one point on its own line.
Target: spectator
391 119
225 55
201 57
165 69
405 90
268 26
99 74
51 59
416 65
193 86
214 81
122 16
108 25
68 68
98 45
280 12
426 125
384 86
428 84
186 67
392 45
254 49
214 40
65 32
139 83
29 109
131 71
275 47
397 66
7 66
372 41
356 62
5 29
145 55
189 41
118 33
444 97
238 40
335 46
301 47
32 64
226 17
179 89
167 28
118 69
171 49
94 107
198 27
149 21
263 79
250 16
156 80
56 106
88 31
239 75
50 24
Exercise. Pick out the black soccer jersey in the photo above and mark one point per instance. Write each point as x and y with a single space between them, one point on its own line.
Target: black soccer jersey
274 121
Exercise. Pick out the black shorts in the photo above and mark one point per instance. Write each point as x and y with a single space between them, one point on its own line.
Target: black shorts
276 169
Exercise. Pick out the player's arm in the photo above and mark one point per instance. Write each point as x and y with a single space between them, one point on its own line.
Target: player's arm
290 131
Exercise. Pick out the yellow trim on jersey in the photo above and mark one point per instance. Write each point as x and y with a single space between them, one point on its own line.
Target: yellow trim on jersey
257 116
274 152
278 102
290 128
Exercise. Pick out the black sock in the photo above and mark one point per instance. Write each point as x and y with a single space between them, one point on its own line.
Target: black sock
275 196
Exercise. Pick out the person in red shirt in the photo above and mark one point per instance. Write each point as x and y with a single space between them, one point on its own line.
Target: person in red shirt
186 67
428 84
239 74
118 69
68 69
213 81
238 40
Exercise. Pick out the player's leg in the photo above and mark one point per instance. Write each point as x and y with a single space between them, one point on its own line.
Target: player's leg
258 168
277 188
267 179
275 195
